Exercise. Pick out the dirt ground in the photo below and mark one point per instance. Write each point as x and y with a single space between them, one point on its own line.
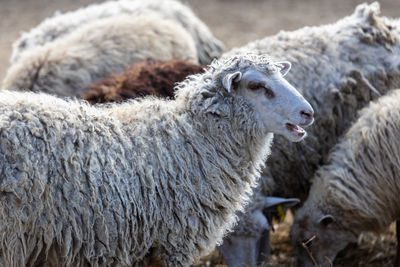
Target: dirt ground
235 22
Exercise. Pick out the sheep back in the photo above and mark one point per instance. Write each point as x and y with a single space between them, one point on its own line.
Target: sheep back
53 28
337 67
65 66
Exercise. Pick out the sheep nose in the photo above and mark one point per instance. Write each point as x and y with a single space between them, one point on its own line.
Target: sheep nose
308 116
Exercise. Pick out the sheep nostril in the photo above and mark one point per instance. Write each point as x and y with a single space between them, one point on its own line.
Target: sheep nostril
307 114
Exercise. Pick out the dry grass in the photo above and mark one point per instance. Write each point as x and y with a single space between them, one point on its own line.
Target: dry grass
371 251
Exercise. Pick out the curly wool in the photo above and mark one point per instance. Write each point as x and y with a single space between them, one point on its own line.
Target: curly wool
53 28
359 54
148 77
359 185
98 185
65 66
337 68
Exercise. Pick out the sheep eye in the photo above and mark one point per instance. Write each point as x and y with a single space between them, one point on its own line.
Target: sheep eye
269 93
255 86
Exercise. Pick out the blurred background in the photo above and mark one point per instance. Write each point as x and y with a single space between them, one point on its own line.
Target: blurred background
235 22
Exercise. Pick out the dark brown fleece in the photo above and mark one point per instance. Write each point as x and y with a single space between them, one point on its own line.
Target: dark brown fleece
148 77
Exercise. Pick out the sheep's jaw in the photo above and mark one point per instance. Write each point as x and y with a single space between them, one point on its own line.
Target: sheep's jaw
295 130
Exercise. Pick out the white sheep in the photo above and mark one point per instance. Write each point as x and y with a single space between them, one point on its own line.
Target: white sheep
249 241
337 68
65 66
357 189
53 28
143 181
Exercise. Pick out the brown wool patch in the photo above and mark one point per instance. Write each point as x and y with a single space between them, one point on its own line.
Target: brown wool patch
148 77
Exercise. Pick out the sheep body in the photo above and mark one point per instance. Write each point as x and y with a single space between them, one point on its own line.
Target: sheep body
148 77
53 28
359 185
98 185
359 54
337 67
65 66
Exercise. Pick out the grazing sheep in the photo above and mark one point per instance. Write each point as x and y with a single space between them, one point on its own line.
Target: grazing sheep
65 66
146 180
252 232
148 77
337 67
53 28
359 187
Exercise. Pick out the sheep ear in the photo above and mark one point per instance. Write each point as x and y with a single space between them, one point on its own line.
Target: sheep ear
326 220
285 66
278 205
270 202
230 78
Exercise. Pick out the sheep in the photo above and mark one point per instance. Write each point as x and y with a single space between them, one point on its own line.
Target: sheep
53 28
337 68
357 189
148 77
253 235
65 66
144 181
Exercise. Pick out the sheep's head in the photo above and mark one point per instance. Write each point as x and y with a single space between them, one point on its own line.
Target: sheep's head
318 237
249 243
282 109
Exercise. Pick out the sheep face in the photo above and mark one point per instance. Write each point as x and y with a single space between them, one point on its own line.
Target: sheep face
282 109
246 248
318 238
240 250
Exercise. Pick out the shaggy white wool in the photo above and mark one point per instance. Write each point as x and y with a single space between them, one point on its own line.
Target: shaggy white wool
61 24
65 66
127 183
358 188
338 69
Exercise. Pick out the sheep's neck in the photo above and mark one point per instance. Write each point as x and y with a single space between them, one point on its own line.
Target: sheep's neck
231 136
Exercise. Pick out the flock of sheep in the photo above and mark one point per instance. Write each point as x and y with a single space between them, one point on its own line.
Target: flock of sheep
129 138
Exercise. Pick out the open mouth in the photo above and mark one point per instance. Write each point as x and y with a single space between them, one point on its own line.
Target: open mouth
297 130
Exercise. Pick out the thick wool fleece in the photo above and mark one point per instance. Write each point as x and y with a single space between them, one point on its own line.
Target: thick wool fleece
65 66
121 184
53 28
337 68
148 77
360 184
